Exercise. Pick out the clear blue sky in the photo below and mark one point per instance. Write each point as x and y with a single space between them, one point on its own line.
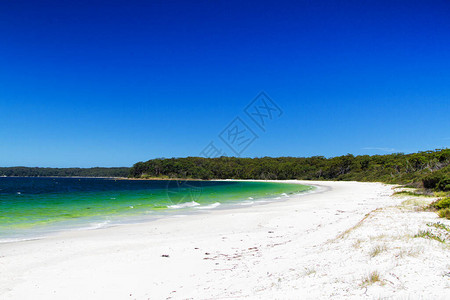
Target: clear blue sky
110 83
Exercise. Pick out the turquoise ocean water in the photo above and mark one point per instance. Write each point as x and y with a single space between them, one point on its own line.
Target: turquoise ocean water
30 207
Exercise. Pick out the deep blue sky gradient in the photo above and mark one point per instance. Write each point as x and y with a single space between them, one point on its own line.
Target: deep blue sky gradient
110 83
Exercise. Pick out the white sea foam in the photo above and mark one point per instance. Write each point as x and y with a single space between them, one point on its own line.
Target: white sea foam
211 206
285 195
250 198
12 240
184 205
98 225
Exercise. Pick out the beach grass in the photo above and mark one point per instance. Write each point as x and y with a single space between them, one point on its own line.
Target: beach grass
372 278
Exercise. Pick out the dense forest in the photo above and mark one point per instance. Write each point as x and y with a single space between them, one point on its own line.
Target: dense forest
429 168
64 172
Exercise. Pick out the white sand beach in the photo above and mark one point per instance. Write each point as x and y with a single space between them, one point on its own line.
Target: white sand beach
316 246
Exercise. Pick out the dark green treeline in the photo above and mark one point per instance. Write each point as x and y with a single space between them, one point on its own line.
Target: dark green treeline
431 168
64 172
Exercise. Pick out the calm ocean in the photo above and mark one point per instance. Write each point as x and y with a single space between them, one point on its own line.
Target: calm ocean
35 206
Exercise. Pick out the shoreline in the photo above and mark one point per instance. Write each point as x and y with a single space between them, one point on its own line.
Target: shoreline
300 247
172 209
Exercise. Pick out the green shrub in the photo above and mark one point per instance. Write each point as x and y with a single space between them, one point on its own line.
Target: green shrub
438 180
444 213
443 203
431 181
444 184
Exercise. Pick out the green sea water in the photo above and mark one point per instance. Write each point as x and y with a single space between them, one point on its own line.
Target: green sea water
33 206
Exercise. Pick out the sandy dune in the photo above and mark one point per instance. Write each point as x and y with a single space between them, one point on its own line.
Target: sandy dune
321 245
